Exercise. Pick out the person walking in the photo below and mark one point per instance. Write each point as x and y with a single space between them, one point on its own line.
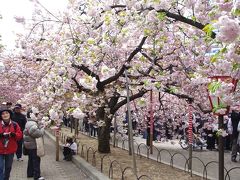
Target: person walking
10 133
19 118
235 118
33 131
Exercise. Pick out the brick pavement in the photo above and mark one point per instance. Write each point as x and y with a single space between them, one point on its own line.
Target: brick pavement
51 169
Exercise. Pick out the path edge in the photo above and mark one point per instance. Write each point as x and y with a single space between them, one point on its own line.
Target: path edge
88 169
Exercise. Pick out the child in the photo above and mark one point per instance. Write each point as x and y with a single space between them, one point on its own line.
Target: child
69 149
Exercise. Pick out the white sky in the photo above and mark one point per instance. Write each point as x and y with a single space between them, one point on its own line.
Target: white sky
11 8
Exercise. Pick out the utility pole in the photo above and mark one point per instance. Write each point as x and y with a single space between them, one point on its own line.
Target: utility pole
130 130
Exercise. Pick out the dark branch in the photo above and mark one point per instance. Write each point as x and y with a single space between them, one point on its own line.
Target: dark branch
188 98
204 110
123 102
115 77
183 19
138 49
131 56
180 96
118 6
79 87
86 70
177 17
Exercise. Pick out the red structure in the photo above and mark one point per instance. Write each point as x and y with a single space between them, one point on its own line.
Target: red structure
216 100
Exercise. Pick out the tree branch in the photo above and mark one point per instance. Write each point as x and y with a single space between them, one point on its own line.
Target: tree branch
115 77
204 110
121 71
181 96
138 49
188 98
183 19
123 102
81 88
86 70
118 6
177 17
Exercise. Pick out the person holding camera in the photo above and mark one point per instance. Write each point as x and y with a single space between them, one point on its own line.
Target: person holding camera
10 133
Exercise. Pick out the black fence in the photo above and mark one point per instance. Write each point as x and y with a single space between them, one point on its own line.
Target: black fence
141 148
100 161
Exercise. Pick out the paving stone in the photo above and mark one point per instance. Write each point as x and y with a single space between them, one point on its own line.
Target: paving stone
51 169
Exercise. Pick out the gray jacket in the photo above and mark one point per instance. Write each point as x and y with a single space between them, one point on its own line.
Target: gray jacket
31 132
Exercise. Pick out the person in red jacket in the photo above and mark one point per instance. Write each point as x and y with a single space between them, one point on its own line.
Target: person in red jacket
10 133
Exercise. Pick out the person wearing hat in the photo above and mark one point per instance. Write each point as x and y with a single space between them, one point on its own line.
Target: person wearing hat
9 105
10 133
19 118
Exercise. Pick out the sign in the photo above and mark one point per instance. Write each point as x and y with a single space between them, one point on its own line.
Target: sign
57 133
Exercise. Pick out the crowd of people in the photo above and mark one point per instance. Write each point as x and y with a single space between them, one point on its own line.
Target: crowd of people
165 129
22 134
19 133
87 124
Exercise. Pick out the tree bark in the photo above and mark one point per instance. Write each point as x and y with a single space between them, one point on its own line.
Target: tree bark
104 139
103 131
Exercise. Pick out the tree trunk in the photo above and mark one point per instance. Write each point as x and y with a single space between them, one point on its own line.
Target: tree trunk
103 131
103 139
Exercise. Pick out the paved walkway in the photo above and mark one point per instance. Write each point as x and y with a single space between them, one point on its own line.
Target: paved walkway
51 169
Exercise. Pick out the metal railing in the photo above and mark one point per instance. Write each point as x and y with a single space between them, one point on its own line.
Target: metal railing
84 151
94 158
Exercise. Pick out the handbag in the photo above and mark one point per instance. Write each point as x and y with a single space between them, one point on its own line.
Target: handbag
25 151
40 147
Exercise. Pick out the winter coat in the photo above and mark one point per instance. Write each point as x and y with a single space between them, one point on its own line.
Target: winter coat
235 118
31 133
20 119
11 147
238 129
229 127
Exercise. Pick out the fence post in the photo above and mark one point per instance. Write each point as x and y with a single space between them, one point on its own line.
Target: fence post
57 143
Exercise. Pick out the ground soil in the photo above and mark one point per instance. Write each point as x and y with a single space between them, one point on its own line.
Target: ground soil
154 170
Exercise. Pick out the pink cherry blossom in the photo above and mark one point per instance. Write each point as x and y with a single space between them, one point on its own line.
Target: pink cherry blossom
229 29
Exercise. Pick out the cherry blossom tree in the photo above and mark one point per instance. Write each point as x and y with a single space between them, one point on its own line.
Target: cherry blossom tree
163 45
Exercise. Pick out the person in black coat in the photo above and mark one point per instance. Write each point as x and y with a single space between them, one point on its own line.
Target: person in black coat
19 118
235 118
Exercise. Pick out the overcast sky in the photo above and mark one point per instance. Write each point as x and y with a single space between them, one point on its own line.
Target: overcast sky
11 8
